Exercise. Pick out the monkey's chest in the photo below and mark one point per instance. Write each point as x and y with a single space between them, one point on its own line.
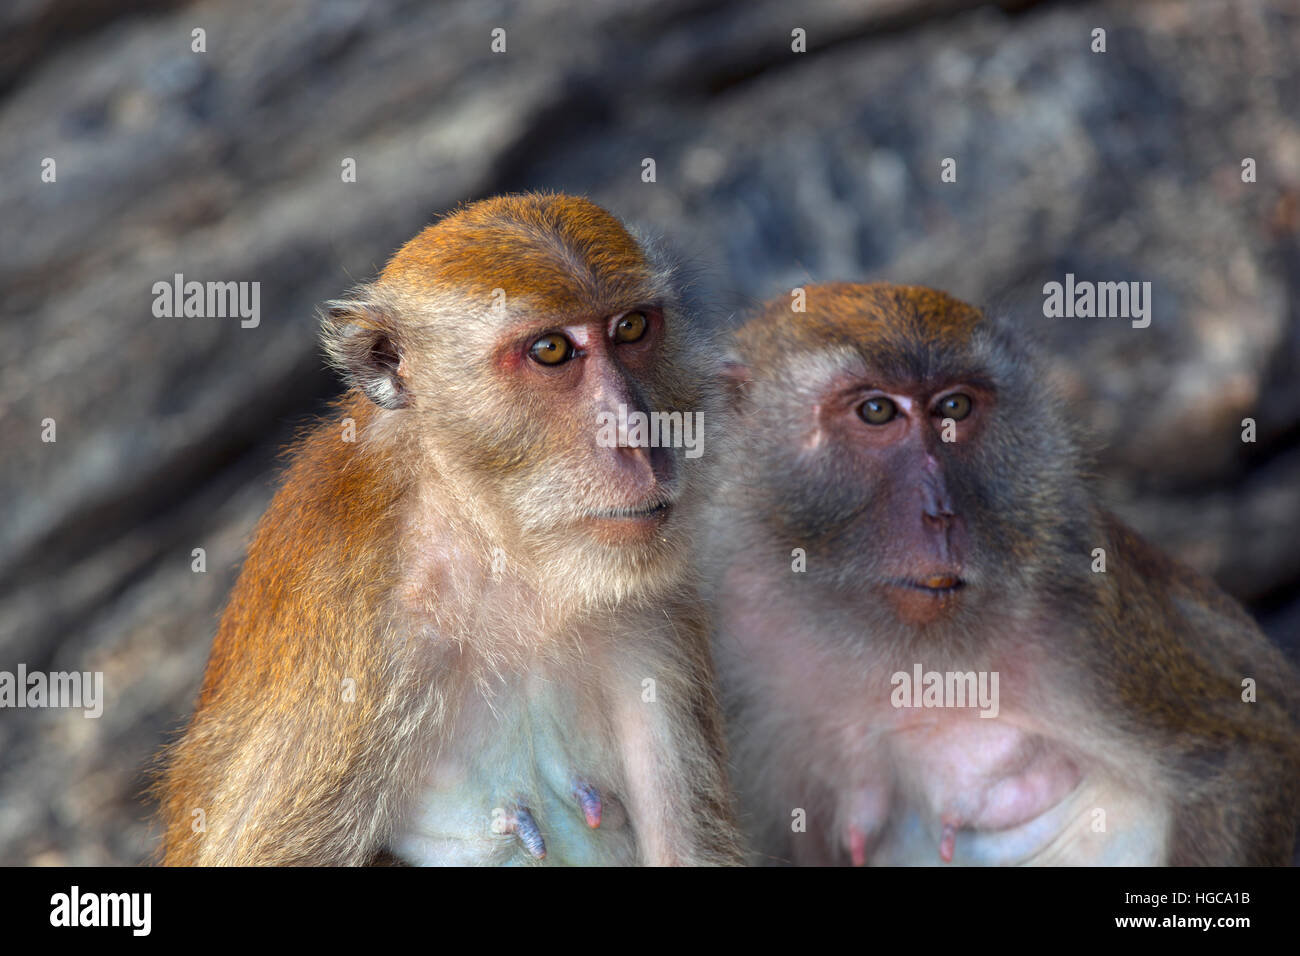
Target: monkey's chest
538 751
958 788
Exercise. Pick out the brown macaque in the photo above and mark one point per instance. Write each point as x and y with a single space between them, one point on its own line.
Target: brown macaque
922 655
468 630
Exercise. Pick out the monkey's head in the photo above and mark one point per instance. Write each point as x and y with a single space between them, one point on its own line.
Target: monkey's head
545 367
908 443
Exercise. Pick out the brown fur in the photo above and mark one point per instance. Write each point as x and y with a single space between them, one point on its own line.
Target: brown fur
375 564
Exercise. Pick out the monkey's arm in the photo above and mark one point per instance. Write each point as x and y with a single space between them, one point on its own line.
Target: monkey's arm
282 762
675 756
296 768
1190 655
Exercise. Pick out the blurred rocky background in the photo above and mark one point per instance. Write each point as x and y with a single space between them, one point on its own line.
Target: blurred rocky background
772 167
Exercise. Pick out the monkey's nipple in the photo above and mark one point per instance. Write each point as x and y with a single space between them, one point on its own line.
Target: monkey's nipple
857 846
948 840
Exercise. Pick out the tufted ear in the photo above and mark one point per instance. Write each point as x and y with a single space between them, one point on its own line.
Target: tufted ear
361 341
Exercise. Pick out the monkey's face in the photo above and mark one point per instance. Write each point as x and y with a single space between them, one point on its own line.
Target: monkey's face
586 440
551 372
908 450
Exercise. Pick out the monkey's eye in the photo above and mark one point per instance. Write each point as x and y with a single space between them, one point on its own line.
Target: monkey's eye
955 407
631 327
551 349
877 411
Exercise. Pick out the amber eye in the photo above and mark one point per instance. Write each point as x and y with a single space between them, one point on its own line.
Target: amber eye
955 407
877 411
630 328
551 349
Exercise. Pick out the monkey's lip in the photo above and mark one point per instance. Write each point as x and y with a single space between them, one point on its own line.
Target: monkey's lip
634 525
936 584
925 599
655 511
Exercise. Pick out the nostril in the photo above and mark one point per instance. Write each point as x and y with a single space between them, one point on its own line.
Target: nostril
635 459
634 452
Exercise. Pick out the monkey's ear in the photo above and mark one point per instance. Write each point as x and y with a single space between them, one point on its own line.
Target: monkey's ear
361 341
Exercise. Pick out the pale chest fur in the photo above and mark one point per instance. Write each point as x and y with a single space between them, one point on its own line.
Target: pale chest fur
886 777
525 742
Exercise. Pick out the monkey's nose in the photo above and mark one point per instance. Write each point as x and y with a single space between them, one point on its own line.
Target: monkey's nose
652 465
635 467
937 520
937 511
635 457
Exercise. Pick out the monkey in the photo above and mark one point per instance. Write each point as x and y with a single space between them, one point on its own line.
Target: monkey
934 643
468 630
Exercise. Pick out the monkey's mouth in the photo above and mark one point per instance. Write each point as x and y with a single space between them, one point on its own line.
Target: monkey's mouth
925 599
652 512
938 585
635 525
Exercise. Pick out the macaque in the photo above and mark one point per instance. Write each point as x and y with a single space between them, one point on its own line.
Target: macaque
468 630
936 646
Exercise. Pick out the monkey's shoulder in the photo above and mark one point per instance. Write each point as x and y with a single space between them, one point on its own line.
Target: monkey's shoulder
1146 574
1174 631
